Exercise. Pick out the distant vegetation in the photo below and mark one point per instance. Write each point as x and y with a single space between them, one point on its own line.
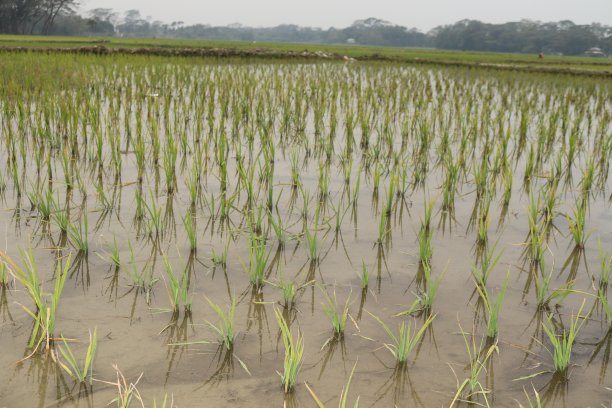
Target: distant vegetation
59 17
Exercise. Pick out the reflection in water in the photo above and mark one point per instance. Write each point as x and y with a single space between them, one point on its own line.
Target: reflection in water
176 339
554 392
602 345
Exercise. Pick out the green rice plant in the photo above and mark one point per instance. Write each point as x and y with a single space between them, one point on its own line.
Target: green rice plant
355 194
80 371
79 236
425 247
258 260
342 401
605 265
492 306
562 343
312 238
544 295
178 291
191 231
45 311
155 217
483 229
220 258
60 216
382 228
425 298
279 229
337 318
536 403
4 274
114 255
477 360
576 225
507 187
365 275
428 206
393 180
225 327
294 352
376 176
408 337
43 202
602 298
488 261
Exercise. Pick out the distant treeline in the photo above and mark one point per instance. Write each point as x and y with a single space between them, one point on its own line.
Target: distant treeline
58 17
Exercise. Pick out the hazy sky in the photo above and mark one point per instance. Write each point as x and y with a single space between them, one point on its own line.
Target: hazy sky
422 14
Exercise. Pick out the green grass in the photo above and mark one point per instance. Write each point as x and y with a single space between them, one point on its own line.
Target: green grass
417 55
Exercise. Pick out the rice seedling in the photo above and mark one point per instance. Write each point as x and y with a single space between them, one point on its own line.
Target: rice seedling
258 260
191 231
602 298
544 295
576 225
79 236
225 327
406 340
563 343
425 247
364 276
4 274
60 216
492 306
488 261
605 265
337 318
84 370
294 352
478 356
342 401
425 298
45 311
312 238
536 403
220 258
178 291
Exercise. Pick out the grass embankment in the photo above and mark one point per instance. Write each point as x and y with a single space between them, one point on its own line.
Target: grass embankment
217 48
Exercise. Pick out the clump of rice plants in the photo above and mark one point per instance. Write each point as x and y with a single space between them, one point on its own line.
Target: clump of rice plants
342 402
84 370
337 317
406 340
226 326
258 259
492 306
478 357
45 311
425 298
605 265
576 225
563 343
79 235
294 352
178 290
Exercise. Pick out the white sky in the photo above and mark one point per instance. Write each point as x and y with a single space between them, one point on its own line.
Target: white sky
422 14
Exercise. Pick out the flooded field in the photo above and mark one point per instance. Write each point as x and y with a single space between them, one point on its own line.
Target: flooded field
255 234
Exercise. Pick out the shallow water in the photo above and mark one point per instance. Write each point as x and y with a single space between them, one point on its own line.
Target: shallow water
136 329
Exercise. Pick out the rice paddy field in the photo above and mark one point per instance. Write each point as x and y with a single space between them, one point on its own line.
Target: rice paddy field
243 232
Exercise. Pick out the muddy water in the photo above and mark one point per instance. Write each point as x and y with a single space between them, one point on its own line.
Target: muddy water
164 351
